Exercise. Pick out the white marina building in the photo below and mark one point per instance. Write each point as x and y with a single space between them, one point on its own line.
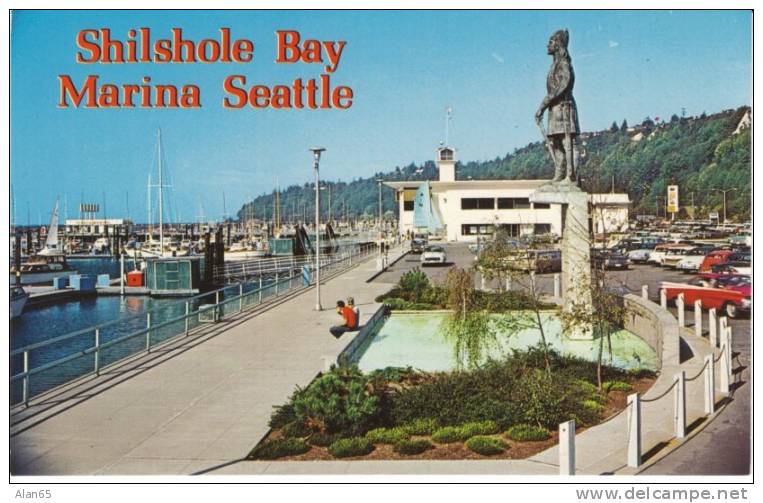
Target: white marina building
465 210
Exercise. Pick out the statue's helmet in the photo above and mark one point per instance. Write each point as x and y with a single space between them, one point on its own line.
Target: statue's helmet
561 37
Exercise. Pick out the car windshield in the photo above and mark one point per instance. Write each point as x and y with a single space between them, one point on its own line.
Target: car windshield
435 249
733 281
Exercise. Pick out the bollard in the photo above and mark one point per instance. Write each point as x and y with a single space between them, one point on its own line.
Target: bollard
663 299
724 368
121 274
698 318
730 353
712 325
645 292
567 448
216 316
679 406
723 322
709 385
680 308
634 430
557 285
482 282
508 284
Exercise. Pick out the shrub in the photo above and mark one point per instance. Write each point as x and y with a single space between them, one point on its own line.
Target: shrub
423 426
322 439
414 282
282 415
487 427
295 429
586 386
616 386
411 447
347 447
487 446
398 304
386 435
592 405
274 449
449 434
527 432
339 401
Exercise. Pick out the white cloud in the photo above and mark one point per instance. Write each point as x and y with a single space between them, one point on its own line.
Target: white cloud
613 44
497 57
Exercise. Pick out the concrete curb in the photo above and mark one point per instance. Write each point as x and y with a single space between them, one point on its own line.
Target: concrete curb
394 261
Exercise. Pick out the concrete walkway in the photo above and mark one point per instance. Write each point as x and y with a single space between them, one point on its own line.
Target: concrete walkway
201 402
199 405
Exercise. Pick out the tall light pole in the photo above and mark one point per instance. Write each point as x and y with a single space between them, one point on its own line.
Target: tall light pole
724 191
316 160
379 181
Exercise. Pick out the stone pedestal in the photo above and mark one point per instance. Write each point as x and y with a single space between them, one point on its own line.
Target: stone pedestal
576 246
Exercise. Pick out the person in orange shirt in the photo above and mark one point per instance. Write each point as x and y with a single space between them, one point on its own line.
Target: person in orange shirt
350 320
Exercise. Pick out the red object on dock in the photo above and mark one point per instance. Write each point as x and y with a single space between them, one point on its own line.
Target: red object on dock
135 278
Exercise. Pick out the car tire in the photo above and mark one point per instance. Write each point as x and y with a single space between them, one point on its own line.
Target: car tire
731 310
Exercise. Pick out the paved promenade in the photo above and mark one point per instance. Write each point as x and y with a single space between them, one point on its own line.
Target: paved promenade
199 403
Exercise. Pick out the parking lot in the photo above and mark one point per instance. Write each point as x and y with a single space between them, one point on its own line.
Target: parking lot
700 455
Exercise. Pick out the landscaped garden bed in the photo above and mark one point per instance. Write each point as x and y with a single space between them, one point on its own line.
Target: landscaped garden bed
507 409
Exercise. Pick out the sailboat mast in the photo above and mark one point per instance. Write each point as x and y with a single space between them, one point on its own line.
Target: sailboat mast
161 190
148 198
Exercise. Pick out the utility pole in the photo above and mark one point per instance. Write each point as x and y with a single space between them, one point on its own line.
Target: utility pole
379 181
724 192
316 161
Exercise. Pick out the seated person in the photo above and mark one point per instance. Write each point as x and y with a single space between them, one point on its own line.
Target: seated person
356 309
349 321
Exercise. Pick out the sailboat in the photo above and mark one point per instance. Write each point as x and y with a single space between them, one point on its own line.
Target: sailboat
18 301
49 264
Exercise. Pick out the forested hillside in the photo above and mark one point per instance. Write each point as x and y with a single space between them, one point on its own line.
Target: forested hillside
699 154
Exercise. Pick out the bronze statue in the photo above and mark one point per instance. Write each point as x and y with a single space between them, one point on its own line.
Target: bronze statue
561 138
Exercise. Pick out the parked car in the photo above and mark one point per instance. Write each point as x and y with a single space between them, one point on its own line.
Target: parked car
733 300
693 258
608 259
433 254
418 245
675 254
541 261
713 258
737 267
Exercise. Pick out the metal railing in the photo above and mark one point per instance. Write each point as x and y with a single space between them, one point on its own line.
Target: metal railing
83 353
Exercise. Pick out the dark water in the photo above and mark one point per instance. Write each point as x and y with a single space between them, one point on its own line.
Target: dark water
121 321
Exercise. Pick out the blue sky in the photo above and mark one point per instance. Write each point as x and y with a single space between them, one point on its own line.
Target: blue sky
405 68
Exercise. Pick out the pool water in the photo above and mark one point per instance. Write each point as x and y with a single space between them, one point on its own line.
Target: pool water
417 340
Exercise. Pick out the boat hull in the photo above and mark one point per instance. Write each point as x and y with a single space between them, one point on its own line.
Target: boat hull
36 278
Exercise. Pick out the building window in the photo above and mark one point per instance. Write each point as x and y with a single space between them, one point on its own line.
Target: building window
408 205
511 230
477 203
446 154
541 206
513 203
542 229
476 229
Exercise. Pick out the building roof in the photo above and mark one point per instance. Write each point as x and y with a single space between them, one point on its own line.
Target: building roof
469 184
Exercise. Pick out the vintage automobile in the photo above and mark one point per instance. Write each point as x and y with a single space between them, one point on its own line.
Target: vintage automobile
541 261
693 258
433 254
730 296
418 245
608 259
676 253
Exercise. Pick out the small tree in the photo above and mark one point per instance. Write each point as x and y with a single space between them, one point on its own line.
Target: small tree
613 128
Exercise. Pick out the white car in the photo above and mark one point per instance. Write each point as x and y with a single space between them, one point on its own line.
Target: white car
639 256
433 255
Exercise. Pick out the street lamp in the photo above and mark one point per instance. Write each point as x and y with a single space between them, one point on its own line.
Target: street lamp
316 160
379 181
724 191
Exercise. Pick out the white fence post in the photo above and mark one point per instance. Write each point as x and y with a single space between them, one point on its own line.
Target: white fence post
709 385
680 404
724 367
634 430
645 292
712 325
698 318
482 282
567 448
730 352
508 283
680 308
557 285
663 299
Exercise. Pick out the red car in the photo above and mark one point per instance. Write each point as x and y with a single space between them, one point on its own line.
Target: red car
730 295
